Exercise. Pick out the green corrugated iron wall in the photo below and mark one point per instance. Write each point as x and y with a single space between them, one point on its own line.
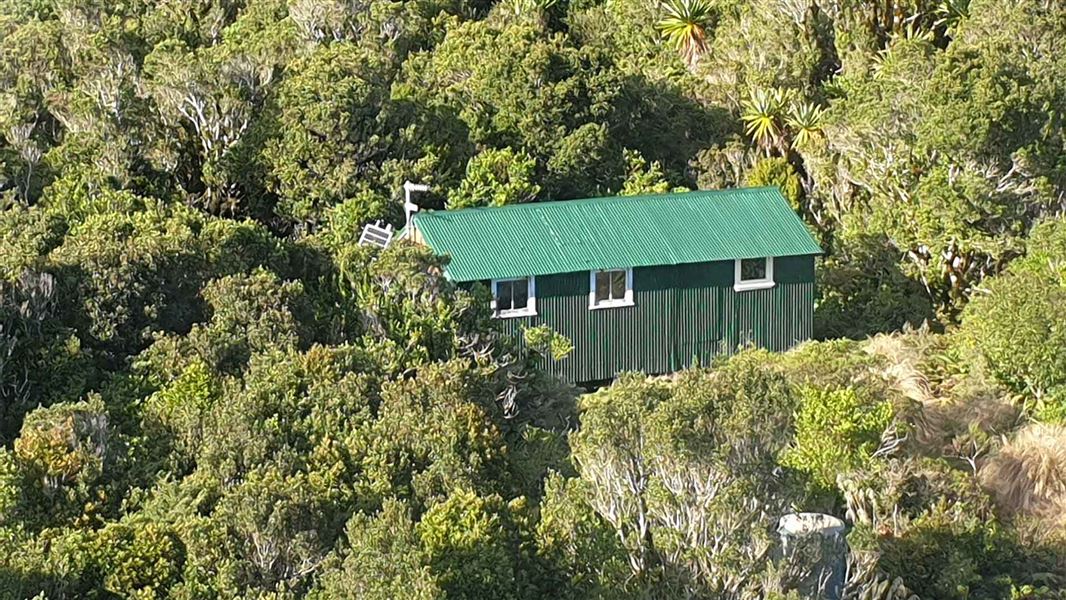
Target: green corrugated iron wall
681 313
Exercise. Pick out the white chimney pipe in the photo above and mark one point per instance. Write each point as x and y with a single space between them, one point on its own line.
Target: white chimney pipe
410 208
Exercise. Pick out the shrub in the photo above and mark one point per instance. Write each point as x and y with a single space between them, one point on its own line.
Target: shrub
469 544
141 560
384 560
58 461
1019 329
1018 326
862 291
837 430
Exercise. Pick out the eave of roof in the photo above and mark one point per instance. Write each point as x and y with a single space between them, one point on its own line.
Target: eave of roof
545 238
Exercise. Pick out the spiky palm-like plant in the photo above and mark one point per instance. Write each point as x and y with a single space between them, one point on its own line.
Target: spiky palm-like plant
805 121
763 117
950 12
685 24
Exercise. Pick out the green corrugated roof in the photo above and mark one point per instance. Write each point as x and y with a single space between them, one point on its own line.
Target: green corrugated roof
543 238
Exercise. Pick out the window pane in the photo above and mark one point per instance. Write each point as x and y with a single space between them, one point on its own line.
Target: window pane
609 286
618 285
603 287
752 268
520 297
504 293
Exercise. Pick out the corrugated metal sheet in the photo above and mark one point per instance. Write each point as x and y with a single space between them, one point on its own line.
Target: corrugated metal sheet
602 233
681 313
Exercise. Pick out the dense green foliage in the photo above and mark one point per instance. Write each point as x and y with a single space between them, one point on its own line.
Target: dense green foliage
209 390
1018 324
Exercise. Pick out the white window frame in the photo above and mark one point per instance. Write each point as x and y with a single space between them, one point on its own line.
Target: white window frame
626 301
753 284
531 304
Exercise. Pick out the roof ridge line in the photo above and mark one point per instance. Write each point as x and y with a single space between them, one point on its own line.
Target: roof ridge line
596 200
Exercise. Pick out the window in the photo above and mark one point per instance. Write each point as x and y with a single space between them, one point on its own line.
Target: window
514 297
753 274
610 288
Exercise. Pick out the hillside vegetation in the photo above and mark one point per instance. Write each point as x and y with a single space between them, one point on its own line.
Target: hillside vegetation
209 390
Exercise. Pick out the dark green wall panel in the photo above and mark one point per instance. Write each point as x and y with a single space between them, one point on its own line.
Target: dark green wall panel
681 313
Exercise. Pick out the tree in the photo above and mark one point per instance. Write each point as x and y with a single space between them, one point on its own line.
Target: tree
686 23
681 472
41 361
862 290
384 559
929 147
251 315
208 389
582 544
332 132
123 275
763 116
33 66
513 87
281 526
435 434
496 178
210 97
805 120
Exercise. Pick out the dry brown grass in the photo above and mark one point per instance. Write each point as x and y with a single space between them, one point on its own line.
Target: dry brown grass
943 410
1028 475
925 415
902 362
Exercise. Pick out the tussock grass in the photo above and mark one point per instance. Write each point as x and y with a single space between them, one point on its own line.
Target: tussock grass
1028 474
902 362
951 402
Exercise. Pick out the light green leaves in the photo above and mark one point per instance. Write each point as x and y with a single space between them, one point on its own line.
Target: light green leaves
775 119
837 430
950 12
685 24
547 341
496 178
805 120
763 115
